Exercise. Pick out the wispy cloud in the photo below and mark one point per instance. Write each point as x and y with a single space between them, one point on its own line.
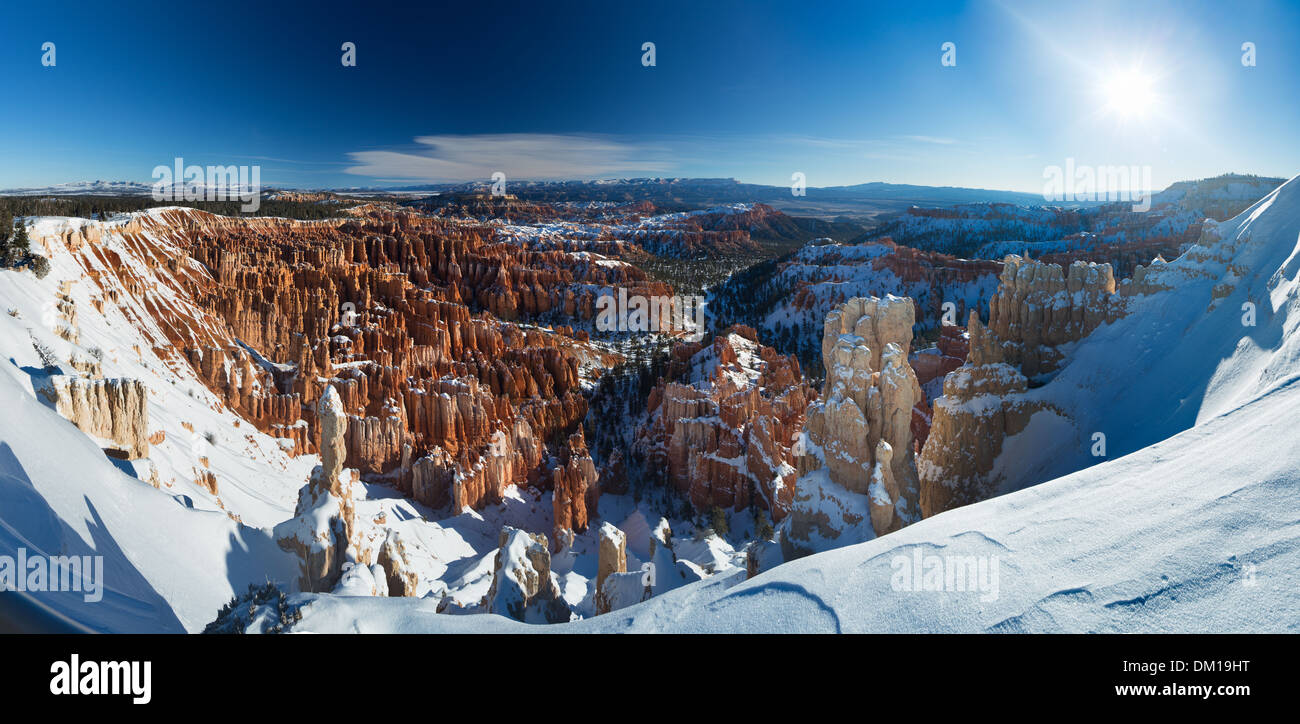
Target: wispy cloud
518 155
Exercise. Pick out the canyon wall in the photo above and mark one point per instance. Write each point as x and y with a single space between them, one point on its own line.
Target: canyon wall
409 318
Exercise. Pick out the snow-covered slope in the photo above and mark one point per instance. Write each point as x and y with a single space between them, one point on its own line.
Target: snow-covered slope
167 565
1225 331
174 551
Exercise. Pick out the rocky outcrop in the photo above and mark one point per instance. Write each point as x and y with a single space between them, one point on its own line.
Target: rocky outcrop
612 553
858 471
115 409
1040 306
576 486
861 431
523 586
617 587
983 404
724 437
324 523
1038 309
399 577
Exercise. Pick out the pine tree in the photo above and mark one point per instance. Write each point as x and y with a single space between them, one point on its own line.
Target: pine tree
20 243
6 228
18 247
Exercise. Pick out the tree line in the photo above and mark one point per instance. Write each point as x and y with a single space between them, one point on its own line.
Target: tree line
102 207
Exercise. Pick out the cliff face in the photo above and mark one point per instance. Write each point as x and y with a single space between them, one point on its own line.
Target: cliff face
727 434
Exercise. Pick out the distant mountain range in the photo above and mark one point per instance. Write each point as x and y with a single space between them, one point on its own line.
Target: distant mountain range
95 188
858 203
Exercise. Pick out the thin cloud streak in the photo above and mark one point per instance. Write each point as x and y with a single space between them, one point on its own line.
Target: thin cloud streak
540 156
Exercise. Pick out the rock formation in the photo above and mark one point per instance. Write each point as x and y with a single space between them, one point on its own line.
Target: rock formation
1040 307
612 554
725 436
399 578
408 317
617 587
1038 310
575 486
324 523
115 410
861 430
523 586
985 402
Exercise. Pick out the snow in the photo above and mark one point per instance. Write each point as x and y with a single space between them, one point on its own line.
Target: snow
168 566
1190 523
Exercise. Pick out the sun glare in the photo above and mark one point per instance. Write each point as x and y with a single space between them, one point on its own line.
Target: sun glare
1129 93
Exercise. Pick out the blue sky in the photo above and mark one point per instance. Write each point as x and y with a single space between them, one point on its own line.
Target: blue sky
842 92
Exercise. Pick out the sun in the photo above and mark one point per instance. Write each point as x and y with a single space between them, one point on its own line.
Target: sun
1129 93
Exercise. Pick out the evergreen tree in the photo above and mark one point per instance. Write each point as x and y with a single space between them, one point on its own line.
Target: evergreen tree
8 254
19 246
6 227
